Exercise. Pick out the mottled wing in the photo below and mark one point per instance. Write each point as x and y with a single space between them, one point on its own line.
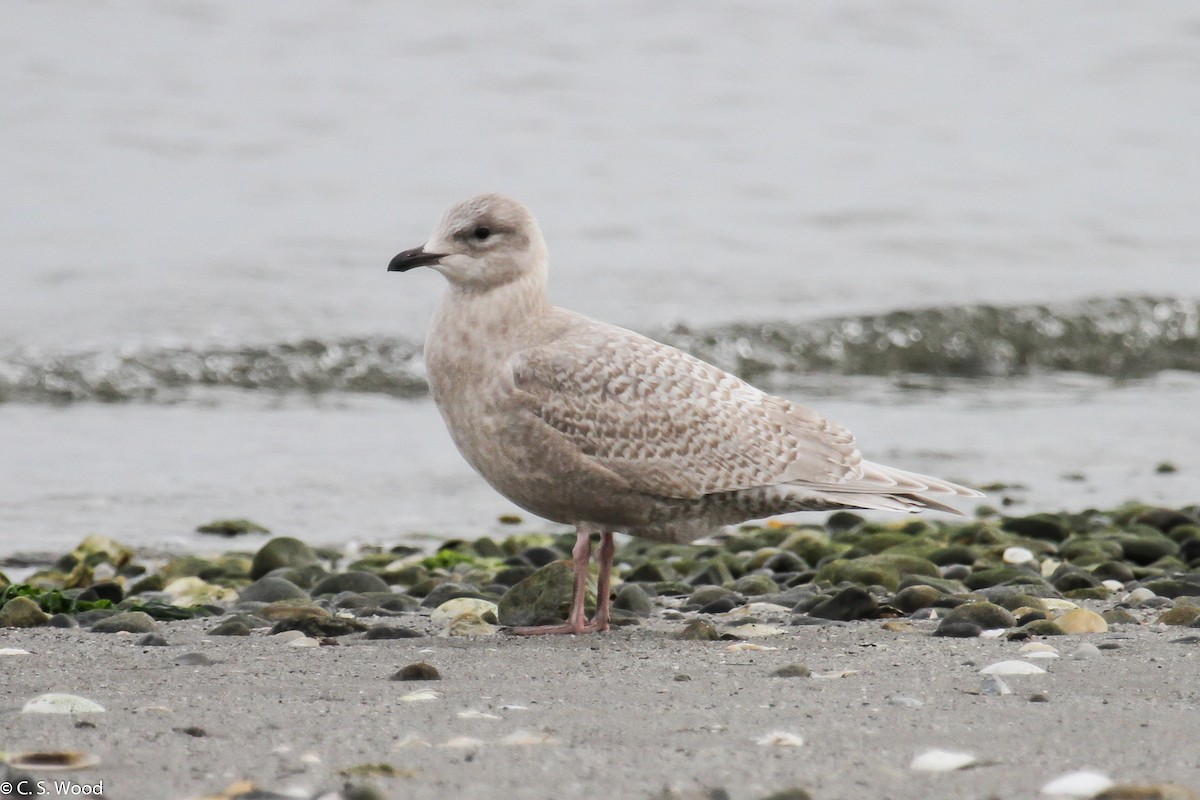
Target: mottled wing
671 424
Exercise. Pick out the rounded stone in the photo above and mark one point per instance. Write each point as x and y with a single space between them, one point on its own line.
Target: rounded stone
544 598
796 670
152 640
282 551
418 671
1042 627
707 594
700 630
350 582
753 585
850 603
391 632
22 612
269 590
1081 620
127 622
541 556
1179 615
985 615
633 598
445 592
230 627
1119 616
958 630
317 627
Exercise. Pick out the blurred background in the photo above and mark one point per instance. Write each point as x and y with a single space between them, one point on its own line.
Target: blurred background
966 230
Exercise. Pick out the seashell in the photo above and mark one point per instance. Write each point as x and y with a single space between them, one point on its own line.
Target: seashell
1084 783
780 739
1012 667
941 761
46 761
54 703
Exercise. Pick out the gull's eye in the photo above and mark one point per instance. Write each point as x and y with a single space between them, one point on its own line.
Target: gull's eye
481 233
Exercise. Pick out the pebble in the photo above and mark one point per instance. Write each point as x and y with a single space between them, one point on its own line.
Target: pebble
472 713
524 738
420 696
700 630
1084 783
283 637
193 660
391 632
904 701
994 686
449 610
470 624
853 602
958 630
633 598
1086 650
941 761
1179 615
417 671
1081 620
1017 555
754 630
1039 650
230 627
128 622
56 703
353 581
1012 667
780 739
318 627
269 590
1159 791
49 761
303 641
282 551
22 612
796 670
152 640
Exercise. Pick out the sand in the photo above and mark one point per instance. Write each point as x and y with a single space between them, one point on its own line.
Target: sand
605 715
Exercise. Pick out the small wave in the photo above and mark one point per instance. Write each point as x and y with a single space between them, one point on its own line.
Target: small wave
1119 338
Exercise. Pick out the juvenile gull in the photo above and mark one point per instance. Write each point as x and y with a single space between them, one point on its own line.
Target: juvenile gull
596 426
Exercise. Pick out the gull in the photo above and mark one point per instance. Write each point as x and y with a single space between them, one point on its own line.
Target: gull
595 426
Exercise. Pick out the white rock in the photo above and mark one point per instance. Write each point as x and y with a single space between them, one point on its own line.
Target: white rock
54 703
1084 783
1039 650
941 761
992 633
1112 586
1058 604
471 713
904 701
995 686
521 737
464 605
421 695
283 637
1086 650
302 641
462 741
839 673
1139 595
757 610
1050 566
1018 555
1012 667
411 740
755 630
780 739
742 647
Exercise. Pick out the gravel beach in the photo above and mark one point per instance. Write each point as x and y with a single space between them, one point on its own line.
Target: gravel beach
984 658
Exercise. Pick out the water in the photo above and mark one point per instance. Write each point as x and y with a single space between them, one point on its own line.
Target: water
966 230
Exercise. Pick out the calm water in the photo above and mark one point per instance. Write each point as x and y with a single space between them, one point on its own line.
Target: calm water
200 199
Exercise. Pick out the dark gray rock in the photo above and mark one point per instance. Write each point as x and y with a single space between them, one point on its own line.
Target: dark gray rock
391 632
233 626
451 591
268 590
319 627
958 630
633 598
850 603
282 551
358 582
152 640
983 614
544 598
126 622
419 671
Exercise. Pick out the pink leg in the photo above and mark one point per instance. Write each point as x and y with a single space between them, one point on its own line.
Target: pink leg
577 620
604 584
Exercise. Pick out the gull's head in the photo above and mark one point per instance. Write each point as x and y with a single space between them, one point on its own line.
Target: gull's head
487 241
